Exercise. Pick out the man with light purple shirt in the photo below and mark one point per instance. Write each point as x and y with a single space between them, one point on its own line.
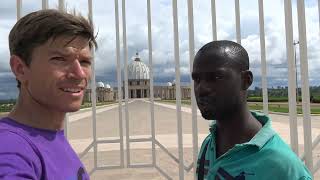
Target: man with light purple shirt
51 60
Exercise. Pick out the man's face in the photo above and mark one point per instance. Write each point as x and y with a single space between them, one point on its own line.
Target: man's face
59 73
217 87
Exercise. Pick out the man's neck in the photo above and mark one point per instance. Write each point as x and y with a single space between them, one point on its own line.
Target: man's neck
35 115
241 127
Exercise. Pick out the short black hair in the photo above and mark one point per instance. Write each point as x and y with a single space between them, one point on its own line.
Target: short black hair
228 50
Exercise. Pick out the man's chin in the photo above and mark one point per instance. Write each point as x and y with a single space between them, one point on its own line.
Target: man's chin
207 115
70 108
74 106
73 109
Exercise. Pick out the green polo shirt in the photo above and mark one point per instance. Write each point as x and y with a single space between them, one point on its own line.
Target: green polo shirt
266 156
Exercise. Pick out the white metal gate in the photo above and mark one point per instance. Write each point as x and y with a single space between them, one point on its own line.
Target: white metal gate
308 144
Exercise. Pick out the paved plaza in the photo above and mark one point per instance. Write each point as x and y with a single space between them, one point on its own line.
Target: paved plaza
80 135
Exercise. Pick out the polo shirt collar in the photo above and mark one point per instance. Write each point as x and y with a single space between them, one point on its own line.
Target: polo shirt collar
262 137
265 133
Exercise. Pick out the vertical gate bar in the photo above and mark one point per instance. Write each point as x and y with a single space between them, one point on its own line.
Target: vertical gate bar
263 58
93 96
237 14
291 78
178 87
19 7
319 14
125 69
213 20
45 4
116 6
305 84
61 5
153 130
193 102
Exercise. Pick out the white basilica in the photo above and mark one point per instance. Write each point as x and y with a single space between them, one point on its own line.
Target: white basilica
138 86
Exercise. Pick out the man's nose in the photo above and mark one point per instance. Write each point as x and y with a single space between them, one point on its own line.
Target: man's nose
76 70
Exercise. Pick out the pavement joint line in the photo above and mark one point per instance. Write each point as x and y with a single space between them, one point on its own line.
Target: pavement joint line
80 115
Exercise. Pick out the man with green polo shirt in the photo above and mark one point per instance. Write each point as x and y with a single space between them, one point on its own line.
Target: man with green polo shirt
241 144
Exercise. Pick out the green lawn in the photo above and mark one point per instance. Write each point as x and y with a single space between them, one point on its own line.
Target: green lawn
8 107
184 101
274 107
283 107
87 104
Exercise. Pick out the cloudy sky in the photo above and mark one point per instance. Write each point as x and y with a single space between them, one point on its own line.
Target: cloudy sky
163 55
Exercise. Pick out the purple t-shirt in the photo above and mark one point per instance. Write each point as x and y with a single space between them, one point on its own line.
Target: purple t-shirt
31 153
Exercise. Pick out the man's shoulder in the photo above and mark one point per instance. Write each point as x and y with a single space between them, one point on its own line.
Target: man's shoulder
18 156
277 145
277 154
11 130
279 150
12 140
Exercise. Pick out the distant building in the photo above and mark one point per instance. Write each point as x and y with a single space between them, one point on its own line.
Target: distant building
169 91
138 86
138 79
104 93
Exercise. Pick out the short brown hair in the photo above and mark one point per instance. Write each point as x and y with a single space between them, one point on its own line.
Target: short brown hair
38 27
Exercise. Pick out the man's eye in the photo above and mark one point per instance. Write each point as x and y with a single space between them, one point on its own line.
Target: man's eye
88 63
58 59
218 77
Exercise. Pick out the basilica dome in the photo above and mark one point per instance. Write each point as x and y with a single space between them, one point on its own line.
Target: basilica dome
138 70
107 86
100 85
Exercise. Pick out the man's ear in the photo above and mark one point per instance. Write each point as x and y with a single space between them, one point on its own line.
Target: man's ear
19 68
246 79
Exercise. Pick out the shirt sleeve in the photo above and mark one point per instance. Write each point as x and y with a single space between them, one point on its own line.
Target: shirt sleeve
18 160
